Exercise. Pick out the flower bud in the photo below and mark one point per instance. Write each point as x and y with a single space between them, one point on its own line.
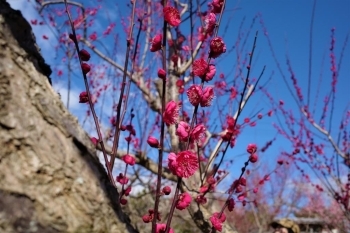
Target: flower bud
156 43
83 97
94 140
166 190
251 148
85 67
217 47
161 74
153 142
72 37
253 158
84 55
128 159
123 201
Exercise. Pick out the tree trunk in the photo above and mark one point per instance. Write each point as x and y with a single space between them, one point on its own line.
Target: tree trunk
50 177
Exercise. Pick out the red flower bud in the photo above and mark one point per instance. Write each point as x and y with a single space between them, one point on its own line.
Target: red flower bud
253 158
251 148
72 37
217 47
94 140
166 190
127 191
85 67
161 74
84 55
231 204
146 218
156 43
83 97
123 201
239 189
243 181
200 67
172 16
153 142
128 159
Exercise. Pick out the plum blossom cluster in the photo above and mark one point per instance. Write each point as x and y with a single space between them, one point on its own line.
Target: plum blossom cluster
209 186
84 56
217 220
210 23
172 16
231 132
199 96
124 193
251 149
216 6
203 70
183 201
210 19
185 163
150 216
237 186
185 133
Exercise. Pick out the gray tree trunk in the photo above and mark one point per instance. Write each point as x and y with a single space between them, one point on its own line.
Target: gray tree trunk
50 178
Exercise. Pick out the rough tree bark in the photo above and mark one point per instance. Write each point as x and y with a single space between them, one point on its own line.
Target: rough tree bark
50 178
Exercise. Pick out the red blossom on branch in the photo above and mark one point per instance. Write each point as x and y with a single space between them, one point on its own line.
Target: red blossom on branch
217 47
84 55
93 36
210 22
200 199
198 132
230 204
166 190
171 113
207 96
216 6
122 179
160 228
217 221
194 94
172 16
183 130
153 142
199 67
210 73
184 201
83 97
94 140
85 67
128 159
253 158
150 216
156 43
251 148
161 74
184 164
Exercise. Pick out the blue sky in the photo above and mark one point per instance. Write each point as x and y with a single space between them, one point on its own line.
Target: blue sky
288 27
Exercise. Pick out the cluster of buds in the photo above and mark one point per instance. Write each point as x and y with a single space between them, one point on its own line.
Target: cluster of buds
251 149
